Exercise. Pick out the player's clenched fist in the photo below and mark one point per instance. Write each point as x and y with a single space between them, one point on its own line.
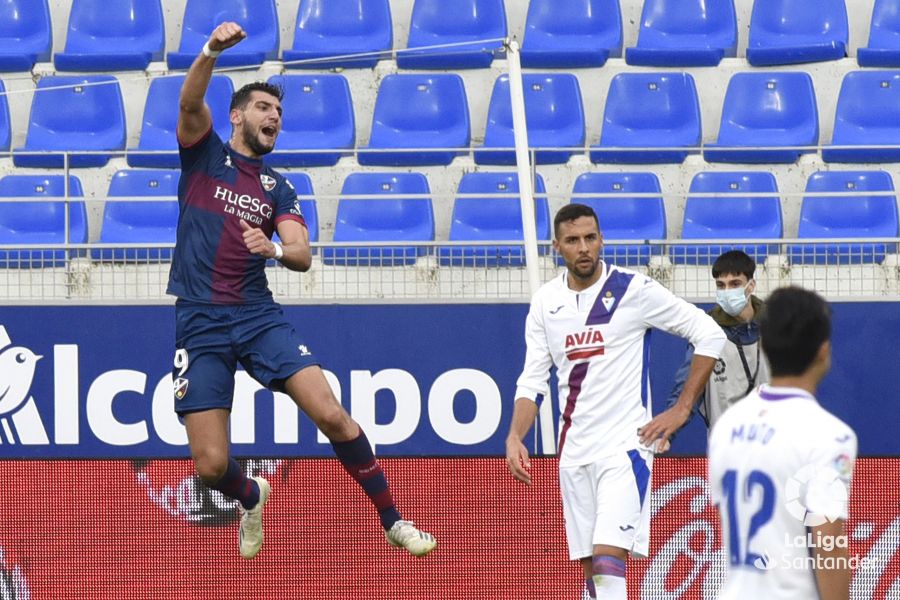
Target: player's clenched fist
225 36
256 241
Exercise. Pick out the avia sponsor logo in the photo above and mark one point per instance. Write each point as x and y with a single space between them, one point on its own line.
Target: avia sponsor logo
584 344
253 210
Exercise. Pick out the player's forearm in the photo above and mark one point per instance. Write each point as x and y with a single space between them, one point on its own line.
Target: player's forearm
524 414
193 90
833 583
698 375
297 257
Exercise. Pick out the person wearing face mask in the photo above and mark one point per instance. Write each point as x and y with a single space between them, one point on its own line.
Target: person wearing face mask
742 365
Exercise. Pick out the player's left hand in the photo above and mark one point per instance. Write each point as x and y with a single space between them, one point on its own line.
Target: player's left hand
256 241
662 427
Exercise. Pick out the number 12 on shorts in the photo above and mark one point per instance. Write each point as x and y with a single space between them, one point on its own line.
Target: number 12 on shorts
754 493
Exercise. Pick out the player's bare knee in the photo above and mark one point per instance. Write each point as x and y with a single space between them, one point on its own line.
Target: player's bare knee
337 425
210 466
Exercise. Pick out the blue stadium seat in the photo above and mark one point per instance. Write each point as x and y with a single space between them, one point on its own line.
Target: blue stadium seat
433 24
382 218
318 114
74 114
5 126
833 217
161 118
571 34
868 114
625 217
680 33
787 32
418 111
25 34
730 216
303 187
491 218
771 110
40 222
649 110
258 18
139 221
553 112
112 36
328 28
884 36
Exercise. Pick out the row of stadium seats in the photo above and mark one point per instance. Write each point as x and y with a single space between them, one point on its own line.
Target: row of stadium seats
720 206
104 35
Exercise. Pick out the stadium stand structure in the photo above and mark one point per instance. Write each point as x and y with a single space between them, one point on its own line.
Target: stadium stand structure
572 34
329 28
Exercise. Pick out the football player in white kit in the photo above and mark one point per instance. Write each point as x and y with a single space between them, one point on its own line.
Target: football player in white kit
780 466
593 323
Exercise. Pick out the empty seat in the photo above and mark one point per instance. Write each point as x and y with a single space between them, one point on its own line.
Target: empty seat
112 36
624 217
382 218
867 115
681 33
5 127
785 32
303 187
834 217
138 221
327 28
40 222
257 17
160 119
553 113
770 110
418 111
571 34
318 115
649 111
491 218
74 114
433 23
884 36
25 34
729 215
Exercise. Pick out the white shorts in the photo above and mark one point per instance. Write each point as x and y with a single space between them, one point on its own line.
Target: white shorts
608 502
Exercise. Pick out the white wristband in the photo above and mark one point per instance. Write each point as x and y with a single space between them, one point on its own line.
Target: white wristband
279 251
210 53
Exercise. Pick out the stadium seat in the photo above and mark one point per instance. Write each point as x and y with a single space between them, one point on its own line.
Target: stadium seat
729 216
572 34
418 111
884 36
553 112
868 114
40 222
5 125
768 110
474 21
139 221
382 218
625 217
834 217
303 187
786 32
74 114
318 115
649 110
26 35
328 28
112 36
492 218
161 118
258 18
680 33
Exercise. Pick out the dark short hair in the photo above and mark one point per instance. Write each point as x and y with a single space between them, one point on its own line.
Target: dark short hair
241 97
793 327
734 262
570 212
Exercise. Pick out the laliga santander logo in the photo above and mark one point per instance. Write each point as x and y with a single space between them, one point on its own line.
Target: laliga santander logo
13 585
19 418
822 483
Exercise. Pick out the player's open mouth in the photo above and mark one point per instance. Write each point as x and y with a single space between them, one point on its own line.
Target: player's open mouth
269 131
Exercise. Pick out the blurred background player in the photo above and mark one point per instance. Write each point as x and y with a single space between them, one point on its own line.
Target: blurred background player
230 205
780 466
592 323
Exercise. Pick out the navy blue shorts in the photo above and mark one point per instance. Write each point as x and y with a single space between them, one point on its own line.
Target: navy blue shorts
210 341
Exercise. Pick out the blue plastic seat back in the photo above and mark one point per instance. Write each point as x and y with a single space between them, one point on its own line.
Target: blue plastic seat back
26 35
649 110
74 113
419 111
571 34
730 215
553 112
784 32
435 23
767 110
112 36
868 114
884 36
318 114
328 28
685 33
303 186
160 120
5 126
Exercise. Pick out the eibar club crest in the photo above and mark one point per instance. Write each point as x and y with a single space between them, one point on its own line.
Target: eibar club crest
268 182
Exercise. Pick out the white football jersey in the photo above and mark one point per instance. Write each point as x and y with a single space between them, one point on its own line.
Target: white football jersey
778 463
599 341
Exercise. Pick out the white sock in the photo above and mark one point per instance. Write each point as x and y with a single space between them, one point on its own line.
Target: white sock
610 587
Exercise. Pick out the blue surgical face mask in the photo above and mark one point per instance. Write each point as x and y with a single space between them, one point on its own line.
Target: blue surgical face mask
732 301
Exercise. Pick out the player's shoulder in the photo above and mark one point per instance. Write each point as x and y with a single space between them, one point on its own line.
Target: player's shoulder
553 287
829 425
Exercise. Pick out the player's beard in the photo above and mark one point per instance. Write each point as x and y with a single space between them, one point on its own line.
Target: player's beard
584 272
251 140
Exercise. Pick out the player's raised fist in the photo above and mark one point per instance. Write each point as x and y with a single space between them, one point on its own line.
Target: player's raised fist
225 36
